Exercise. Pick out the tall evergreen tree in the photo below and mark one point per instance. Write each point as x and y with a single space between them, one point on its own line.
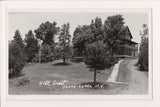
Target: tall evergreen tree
16 55
143 49
64 42
31 48
18 38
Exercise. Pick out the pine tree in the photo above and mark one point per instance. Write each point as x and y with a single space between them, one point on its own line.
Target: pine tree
18 38
64 42
31 48
143 50
16 55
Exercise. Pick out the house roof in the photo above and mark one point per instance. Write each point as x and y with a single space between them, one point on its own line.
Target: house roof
127 31
129 41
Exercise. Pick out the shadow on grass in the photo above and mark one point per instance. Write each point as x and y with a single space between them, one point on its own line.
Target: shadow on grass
61 64
76 61
141 70
92 85
11 76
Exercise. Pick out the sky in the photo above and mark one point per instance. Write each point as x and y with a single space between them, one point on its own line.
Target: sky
31 21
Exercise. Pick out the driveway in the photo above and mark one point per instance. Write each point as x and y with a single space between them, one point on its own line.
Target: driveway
137 80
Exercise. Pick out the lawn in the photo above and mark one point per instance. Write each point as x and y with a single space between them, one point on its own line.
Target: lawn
54 79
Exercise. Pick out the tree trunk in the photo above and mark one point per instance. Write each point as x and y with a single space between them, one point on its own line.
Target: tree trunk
95 73
64 60
39 56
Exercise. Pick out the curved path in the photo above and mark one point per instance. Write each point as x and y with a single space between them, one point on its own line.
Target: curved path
137 80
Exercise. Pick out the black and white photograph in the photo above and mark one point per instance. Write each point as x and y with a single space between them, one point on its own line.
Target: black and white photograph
79 53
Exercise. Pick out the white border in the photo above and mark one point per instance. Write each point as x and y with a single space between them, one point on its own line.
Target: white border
125 4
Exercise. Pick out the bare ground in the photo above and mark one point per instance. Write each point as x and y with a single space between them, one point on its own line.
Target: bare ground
137 80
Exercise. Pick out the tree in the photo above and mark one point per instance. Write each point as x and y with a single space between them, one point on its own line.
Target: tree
31 48
113 31
96 58
16 59
46 32
46 53
97 29
64 42
143 50
18 38
87 34
81 36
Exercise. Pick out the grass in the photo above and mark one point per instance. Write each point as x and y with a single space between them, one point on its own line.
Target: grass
55 78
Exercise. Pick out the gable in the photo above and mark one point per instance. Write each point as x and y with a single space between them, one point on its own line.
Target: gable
128 34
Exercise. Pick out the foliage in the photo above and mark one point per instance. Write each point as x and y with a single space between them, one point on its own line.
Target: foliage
64 42
18 38
113 31
31 48
46 53
143 50
87 34
17 56
98 43
97 29
81 36
110 32
96 58
16 59
46 32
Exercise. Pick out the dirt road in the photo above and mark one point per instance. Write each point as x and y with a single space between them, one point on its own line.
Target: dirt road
137 80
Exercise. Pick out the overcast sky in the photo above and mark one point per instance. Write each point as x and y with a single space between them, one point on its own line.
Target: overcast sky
30 21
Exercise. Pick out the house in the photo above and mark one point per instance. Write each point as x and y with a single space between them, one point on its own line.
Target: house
127 48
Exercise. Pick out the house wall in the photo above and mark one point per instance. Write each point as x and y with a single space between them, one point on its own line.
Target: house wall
125 50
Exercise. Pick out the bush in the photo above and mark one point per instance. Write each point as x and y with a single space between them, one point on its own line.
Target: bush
23 81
